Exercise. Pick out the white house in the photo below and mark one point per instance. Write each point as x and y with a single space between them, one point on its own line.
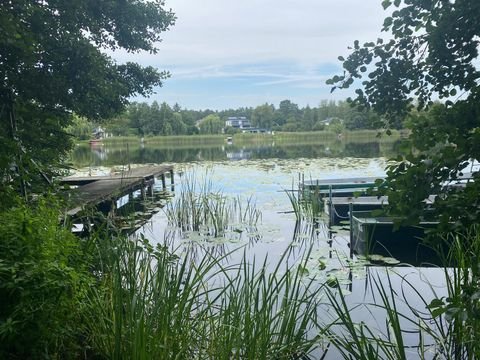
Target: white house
238 122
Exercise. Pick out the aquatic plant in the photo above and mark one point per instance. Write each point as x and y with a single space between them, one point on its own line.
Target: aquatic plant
361 340
198 205
447 326
457 315
306 206
152 303
265 312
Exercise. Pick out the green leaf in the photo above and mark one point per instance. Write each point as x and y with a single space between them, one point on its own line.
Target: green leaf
386 4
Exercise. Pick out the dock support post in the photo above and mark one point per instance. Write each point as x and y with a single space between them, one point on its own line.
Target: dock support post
350 215
330 209
172 182
150 190
164 183
113 207
142 190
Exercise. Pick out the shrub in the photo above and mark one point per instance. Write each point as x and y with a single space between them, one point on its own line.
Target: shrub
42 283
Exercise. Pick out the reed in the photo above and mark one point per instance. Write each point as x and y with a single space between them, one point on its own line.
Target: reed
306 207
199 206
151 303
458 315
168 140
363 341
265 314
446 327
310 137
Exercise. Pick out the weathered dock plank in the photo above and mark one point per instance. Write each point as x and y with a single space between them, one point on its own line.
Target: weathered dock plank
134 173
103 188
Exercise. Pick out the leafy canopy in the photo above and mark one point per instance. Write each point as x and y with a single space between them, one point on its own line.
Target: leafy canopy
53 63
431 54
51 52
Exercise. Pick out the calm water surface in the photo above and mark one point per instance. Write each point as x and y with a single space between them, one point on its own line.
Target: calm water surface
264 173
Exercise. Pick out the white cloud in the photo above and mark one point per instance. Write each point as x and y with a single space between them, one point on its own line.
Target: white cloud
215 39
307 31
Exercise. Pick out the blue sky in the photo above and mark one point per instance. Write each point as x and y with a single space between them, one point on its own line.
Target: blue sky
227 54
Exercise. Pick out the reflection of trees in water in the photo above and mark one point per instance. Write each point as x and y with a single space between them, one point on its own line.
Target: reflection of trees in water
86 156
362 150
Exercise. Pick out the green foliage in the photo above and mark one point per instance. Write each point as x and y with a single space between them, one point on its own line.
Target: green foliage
151 303
144 119
446 326
264 314
431 54
307 205
51 54
80 128
201 207
211 124
361 341
458 313
336 126
54 63
263 116
43 280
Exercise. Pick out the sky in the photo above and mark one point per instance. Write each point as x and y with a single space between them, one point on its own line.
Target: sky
225 54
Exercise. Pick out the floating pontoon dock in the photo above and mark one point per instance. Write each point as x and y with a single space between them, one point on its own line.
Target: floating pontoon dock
326 184
337 208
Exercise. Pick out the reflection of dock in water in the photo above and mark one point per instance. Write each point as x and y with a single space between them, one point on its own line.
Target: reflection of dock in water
238 155
104 192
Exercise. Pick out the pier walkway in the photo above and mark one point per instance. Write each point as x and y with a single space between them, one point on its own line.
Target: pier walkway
93 190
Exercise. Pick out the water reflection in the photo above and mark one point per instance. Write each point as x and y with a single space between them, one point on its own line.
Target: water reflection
107 155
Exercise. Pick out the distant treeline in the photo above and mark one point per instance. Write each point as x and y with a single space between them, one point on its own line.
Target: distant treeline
142 119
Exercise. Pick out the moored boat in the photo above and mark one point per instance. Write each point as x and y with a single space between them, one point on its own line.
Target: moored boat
378 235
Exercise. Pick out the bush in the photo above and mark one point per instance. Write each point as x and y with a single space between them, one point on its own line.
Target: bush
42 284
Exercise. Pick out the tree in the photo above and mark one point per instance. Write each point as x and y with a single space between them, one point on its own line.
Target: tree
179 127
432 53
308 120
286 111
211 124
53 62
81 128
263 116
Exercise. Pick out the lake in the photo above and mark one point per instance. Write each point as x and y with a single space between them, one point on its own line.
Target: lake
262 175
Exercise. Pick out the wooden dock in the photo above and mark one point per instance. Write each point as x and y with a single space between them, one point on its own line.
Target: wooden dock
94 190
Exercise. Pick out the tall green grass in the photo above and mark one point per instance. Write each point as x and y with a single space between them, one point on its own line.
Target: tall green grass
150 304
306 207
153 304
179 140
309 137
446 326
198 205
265 314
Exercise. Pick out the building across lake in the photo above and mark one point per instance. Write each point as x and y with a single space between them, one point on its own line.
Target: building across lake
244 124
238 122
